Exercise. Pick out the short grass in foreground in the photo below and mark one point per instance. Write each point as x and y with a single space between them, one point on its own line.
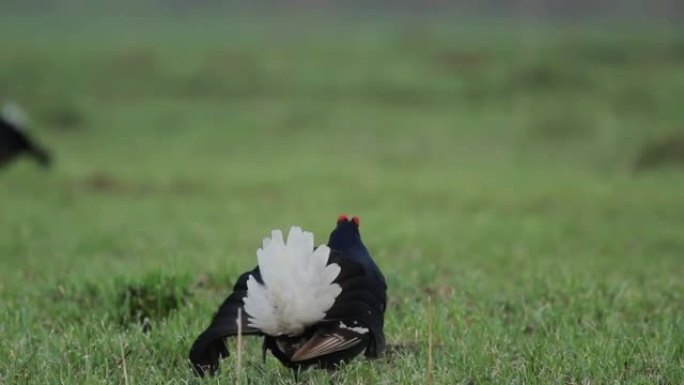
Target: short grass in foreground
492 173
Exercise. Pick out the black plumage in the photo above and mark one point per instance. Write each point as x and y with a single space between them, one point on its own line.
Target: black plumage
353 325
15 141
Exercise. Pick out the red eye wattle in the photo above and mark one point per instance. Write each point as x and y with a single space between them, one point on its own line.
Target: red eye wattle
342 218
356 220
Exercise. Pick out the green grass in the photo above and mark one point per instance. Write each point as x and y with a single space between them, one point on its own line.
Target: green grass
493 170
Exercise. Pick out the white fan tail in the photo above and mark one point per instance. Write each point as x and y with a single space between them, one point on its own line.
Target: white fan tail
297 288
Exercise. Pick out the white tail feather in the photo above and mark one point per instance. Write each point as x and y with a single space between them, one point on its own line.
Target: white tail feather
298 284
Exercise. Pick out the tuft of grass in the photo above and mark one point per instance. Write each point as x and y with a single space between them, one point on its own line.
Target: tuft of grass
150 300
67 117
546 75
665 152
566 124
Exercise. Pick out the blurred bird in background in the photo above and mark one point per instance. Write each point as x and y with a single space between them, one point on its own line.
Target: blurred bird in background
15 140
315 307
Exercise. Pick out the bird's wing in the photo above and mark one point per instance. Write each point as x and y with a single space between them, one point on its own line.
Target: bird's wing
329 339
367 315
209 348
353 277
363 299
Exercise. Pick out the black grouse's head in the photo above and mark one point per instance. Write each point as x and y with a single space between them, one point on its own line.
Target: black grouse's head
346 233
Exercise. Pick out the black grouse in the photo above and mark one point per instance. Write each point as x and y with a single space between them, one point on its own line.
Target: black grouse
315 307
15 141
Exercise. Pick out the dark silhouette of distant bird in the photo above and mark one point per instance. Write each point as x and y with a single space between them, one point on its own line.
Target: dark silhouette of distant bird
15 140
314 307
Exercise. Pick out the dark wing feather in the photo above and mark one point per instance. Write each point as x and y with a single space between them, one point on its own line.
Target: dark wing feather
367 315
209 348
363 299
327 340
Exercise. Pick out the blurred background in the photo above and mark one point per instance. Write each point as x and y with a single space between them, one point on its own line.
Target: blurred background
185 128
494 150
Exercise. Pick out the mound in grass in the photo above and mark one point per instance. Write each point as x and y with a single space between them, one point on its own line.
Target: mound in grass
668 151
65 117
153 298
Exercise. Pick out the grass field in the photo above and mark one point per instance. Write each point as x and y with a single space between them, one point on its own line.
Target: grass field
499 171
